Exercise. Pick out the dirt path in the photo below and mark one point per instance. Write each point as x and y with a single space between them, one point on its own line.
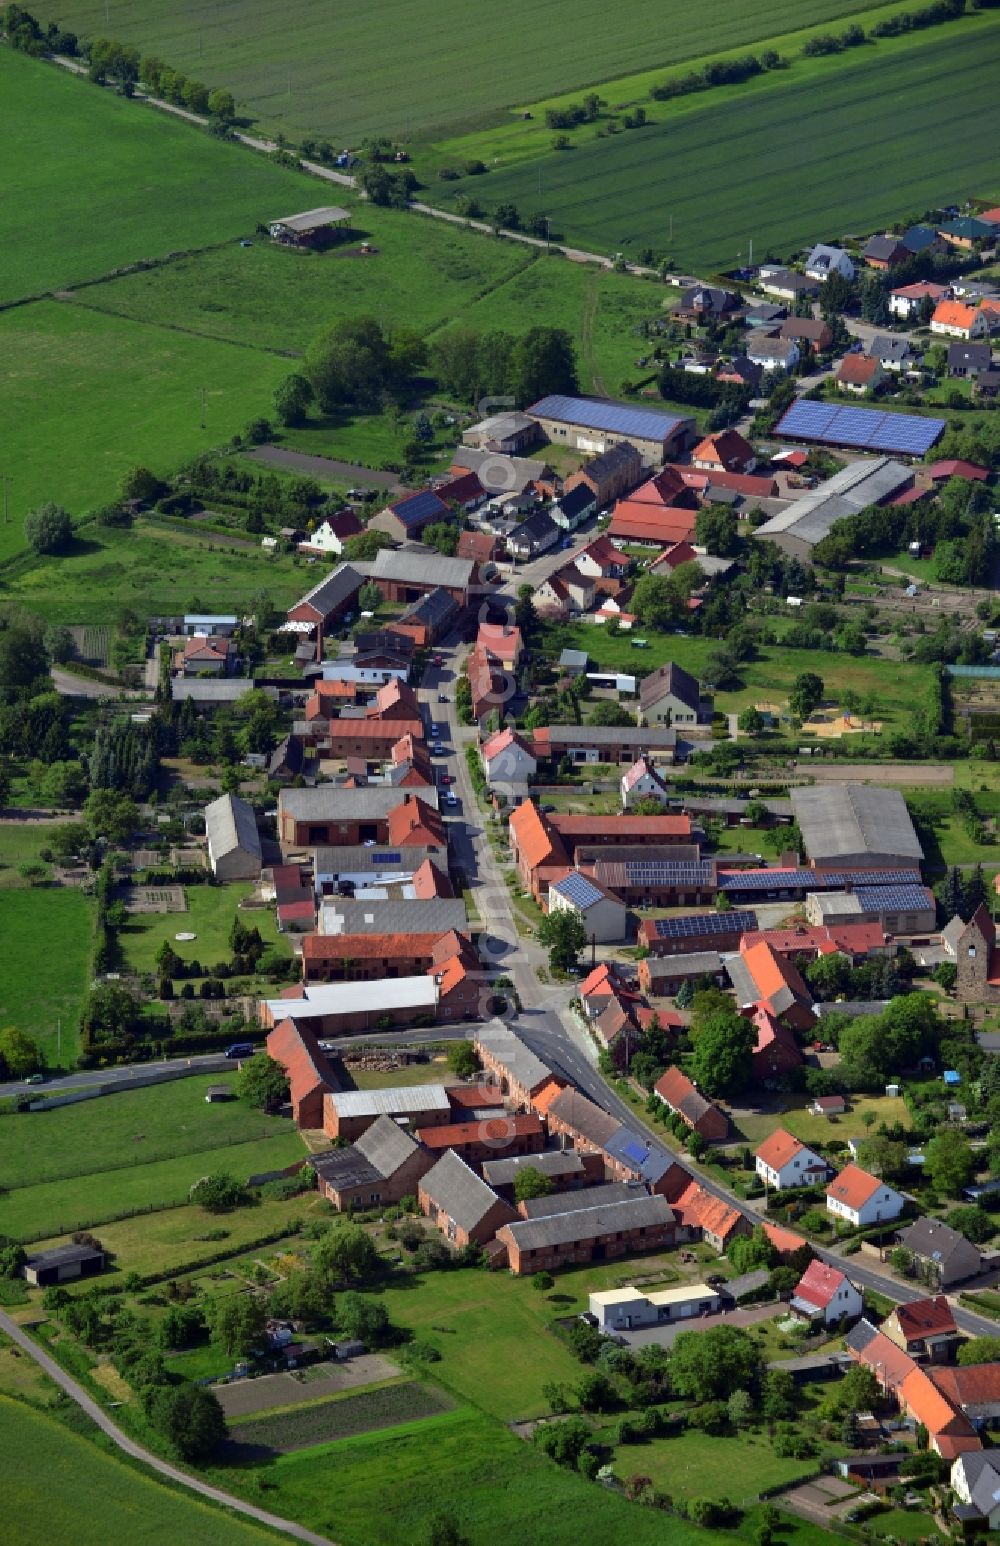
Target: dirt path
323 466
128 1446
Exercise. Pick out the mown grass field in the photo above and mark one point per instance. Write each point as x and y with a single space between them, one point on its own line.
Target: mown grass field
152 569
58 1207
136 1127
32 998
384 1486
900 685
784 161
87 396
404 69
791 1113
58 1487
92 182
210 914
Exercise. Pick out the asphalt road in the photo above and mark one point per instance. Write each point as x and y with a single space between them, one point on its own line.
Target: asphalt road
173 1473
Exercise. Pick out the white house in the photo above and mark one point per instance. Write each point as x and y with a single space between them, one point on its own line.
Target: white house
772 353
507 759
234 848
781 1160
908 299
642 782
954 319
975 1481
604 915
824 261
861 1198
331 534
825 1294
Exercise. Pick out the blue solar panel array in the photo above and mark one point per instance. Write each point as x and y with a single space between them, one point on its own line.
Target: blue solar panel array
616 418
861 429
576 888
651 871
733 922
387 858
419 507
892 899
814 880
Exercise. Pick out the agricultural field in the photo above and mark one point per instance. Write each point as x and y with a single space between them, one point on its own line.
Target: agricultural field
89 395
341 1417
300 71
58 1486
151 569
210 914
31 915
75 1202
828 132
118 183
135 1127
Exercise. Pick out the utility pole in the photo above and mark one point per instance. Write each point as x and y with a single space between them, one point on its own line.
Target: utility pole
204 395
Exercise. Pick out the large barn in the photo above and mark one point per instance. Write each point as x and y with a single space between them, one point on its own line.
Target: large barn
845 825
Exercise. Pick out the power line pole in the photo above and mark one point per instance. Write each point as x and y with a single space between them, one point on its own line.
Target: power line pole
204 395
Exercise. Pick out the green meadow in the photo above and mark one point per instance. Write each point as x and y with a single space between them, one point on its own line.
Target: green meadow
92 182
55 923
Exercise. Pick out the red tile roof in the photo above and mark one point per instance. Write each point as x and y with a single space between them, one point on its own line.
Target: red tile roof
772 972
954 314
783 1240
858 369
498 1130
727 451
428 881
778 1148
501 639
631 826
819 1284
954 467
889 1363
949 1428
853 1186
298 1051
414 822
753 485
368 947
602 552
926 1318
679 553
698 1209
534 837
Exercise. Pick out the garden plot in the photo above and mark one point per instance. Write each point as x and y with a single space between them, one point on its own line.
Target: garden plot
156 899
385 1407
245 1397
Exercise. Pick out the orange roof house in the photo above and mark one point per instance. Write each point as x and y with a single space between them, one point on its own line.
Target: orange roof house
776 1051
859 373
699 1211
307 1069
784 1241
427 881
949 1431
503 640
675 1089
761 976
862 1198
957 320
783 1160
538 851
725 452
414 823
654 513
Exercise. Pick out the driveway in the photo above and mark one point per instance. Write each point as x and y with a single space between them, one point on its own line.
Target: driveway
663 1336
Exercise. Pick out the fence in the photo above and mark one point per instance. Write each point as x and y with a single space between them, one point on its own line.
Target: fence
137 1082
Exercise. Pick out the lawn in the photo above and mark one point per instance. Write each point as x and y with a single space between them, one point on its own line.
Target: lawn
210 914
60 1487
434 1072
152 569
352 73
89 395
59 1207
790 1112
174 1239
688 185
37 1004
494 1484
127 1130
117 184
691 1466
898 684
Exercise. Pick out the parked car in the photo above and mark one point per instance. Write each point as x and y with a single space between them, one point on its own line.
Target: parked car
435 729
437 750
240 1049
35 1079
442 697
450 798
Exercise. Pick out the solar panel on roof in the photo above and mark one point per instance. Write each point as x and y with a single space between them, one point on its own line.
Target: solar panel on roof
650 870
862 428
418 506
578 890
813 880
607 416
897 899
633 1150
705 923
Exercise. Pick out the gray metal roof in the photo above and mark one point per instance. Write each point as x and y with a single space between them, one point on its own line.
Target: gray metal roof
590 1223
62 1255
386 1145
586 1197
435 609
551 1162
333 589
700 963
313 219
845 494
407 567
933 1241
398 1101
355 859
844 820
331 802
458 1191
584 1116
648 738
499 474
341 1168
670 680
230 824
520 1062
433 915
207 689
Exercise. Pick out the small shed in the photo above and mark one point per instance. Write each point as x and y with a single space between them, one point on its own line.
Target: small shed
216 1093
351 1347
311 228
62 1264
